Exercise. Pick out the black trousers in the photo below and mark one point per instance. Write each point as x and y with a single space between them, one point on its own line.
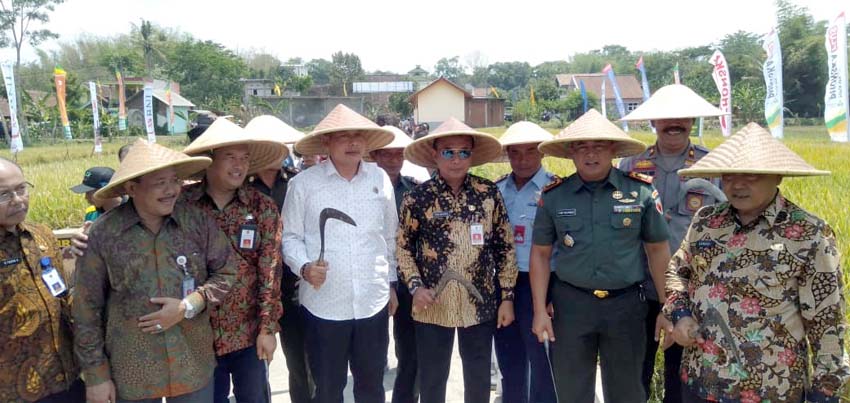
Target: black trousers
335 345
587 328
292 328
434 346
406 387
672 360
76 393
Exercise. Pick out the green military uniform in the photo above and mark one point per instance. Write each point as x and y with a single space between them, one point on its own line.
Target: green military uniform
598 230
405 184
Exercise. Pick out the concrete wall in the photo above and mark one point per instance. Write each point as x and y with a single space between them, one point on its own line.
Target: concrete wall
438 103
485 112
308 111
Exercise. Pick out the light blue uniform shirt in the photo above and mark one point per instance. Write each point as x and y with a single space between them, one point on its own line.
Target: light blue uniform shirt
522 205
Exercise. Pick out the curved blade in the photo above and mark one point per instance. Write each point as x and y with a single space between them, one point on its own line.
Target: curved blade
326 214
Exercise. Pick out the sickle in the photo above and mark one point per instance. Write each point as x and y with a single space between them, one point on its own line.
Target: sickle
326 214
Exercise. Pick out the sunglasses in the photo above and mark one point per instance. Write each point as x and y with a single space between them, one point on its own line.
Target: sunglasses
449 154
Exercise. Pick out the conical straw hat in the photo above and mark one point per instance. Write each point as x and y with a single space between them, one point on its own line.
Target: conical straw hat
523 132
145 158
343 119
400 140
223 133
752 151
486 148
589 127
276 129
674 101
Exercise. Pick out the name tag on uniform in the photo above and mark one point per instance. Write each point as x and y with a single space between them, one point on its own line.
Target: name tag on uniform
705 243
519 234
623 209
10 262
53 282
476 233
247 237
188 286
568 212
441 214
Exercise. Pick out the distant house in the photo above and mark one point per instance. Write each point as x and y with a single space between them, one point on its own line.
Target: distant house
136 112
442 99
629 88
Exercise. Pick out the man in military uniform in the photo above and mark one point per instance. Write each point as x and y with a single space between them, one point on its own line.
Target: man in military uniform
406 388
517 349
37 355
598 220
672 110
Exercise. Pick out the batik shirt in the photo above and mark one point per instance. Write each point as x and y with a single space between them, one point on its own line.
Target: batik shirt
763 294
253 302
436 236
126 265
36 351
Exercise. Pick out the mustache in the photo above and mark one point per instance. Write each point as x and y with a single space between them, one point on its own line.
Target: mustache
674 128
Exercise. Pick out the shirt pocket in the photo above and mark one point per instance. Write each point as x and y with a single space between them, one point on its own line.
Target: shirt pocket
125 270
772 273
568 225
626 221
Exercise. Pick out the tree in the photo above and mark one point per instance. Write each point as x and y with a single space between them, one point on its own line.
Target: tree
509 75
346 70
449 68
400 104
208 73
18 21
320 71
801 39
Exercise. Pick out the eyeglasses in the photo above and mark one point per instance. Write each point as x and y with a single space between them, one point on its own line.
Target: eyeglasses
449 154
23 190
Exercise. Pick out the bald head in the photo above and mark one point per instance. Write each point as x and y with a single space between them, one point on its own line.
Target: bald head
7 164
13 191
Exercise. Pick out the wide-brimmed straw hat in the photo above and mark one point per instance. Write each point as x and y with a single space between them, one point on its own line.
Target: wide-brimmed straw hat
485 148
523 132
592 126
273 128
400 141
145 158
343 119
674 101
752 151
224 133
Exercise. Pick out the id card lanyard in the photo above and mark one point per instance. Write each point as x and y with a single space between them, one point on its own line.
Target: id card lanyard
248 234
188 286
51 277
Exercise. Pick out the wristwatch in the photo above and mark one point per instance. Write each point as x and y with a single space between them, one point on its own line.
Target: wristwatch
190 311
303 267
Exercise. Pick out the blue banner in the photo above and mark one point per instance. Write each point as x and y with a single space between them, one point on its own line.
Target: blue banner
644 83
620 107
583 94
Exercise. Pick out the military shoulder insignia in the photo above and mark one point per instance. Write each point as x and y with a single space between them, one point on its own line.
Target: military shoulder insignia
501 178
551 185
640 177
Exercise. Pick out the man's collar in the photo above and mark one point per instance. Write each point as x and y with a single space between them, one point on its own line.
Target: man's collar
540 179
330 169
128 216
614 178
443 186
774 213
21 228
197 191
653 150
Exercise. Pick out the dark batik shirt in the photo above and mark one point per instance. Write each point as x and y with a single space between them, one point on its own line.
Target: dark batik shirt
254 300
126 265
764 294
435 235
36 351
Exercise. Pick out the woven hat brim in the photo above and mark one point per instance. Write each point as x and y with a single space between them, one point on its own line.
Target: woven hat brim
623 147
503 156
311 144
185 168
400 141
263 152
273 129
674 101
717 172
486 148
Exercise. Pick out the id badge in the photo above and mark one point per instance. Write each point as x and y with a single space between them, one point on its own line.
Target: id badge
519 234
188 286
53 282
247 236
476 232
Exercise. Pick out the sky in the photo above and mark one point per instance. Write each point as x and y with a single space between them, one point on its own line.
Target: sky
397 35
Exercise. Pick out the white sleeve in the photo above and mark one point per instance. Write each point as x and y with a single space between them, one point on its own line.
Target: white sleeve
294 247
390 227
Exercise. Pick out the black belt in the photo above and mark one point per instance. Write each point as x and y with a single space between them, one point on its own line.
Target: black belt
602 294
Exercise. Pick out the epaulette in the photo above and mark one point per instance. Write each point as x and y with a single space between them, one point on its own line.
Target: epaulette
501 178
411 180
551 185
700 148
640 177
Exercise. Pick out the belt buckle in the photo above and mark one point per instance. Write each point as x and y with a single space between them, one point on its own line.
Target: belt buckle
601 294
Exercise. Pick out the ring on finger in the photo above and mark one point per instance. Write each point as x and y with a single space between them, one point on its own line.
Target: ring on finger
158 327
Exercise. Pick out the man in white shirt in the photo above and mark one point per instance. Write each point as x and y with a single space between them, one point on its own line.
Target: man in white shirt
347 297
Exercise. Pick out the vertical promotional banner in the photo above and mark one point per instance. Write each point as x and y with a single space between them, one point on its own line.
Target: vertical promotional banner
583 94
59 76
772 69
95 115
644 83
148 105
621 108
604 100
676 79
170 108
122 108
836 112
15 143
724 86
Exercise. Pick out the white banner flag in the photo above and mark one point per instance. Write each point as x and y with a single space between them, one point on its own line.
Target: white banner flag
836 112
603 100
724 86
148 104
772 69
98 142
15 131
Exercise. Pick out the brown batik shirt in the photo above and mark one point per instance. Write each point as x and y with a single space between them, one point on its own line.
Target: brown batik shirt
764 294
253 302
126 265
435 236
36 350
